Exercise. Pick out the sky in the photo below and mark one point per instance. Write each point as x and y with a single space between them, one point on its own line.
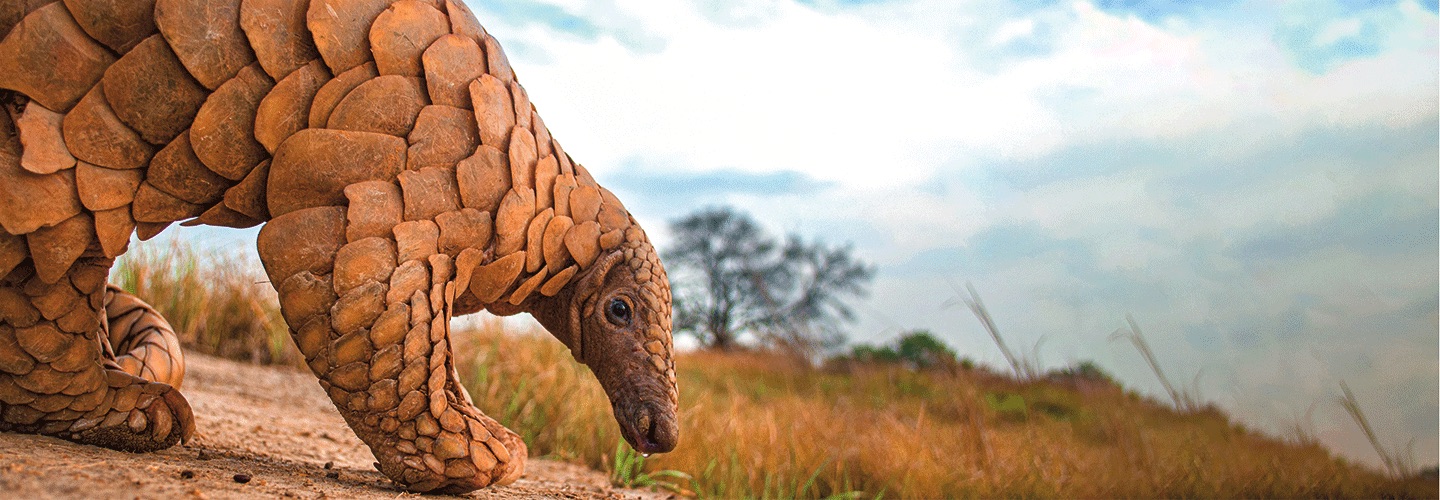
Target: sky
1254 181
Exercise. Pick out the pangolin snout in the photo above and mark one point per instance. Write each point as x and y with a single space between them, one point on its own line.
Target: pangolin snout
649 428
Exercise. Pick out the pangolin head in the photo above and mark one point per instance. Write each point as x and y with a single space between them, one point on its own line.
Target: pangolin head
615 317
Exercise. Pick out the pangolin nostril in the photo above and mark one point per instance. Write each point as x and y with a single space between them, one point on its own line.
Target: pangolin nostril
652 435
644 424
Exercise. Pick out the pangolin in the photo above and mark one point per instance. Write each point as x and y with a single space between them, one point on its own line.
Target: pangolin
402 176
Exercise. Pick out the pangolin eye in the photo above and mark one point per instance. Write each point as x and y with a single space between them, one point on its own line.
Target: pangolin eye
618 312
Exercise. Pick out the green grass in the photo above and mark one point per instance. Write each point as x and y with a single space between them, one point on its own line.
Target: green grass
629 472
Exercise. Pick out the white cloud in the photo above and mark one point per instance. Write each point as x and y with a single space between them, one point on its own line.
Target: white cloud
737 89
1013 30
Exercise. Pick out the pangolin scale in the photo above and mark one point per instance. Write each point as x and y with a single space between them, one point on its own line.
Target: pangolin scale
402 176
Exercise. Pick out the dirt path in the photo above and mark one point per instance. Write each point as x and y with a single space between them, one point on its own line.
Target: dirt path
273 426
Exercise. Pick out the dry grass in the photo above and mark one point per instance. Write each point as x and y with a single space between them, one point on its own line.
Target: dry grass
219 303
759 425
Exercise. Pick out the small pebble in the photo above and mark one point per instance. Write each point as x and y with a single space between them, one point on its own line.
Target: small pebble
187 474
329 465
242 478
334 474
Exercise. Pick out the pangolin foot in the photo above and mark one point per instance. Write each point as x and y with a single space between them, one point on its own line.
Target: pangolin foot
144 416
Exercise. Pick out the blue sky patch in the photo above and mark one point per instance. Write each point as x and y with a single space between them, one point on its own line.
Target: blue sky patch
1155 11
1321 35
529 11
706 184
649 190
836 5
525 12
1317 56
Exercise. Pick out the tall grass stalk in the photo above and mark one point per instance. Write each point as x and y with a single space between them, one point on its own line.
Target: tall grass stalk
1185 400
1399 466
1027 368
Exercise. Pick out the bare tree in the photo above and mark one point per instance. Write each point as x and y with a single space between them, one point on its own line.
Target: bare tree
808 298
715 257
730 277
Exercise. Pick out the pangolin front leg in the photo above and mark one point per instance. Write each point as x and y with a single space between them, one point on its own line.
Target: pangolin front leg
370 310
56 377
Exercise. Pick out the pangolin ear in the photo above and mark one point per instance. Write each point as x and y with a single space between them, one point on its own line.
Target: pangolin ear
586 287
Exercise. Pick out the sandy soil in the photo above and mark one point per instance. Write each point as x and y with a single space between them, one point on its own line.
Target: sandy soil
260 432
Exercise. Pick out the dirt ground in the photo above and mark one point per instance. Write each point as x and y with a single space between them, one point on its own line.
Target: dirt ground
260 432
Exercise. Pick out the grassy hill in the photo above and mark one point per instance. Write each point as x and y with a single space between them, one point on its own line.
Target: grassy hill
761 425
756 424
